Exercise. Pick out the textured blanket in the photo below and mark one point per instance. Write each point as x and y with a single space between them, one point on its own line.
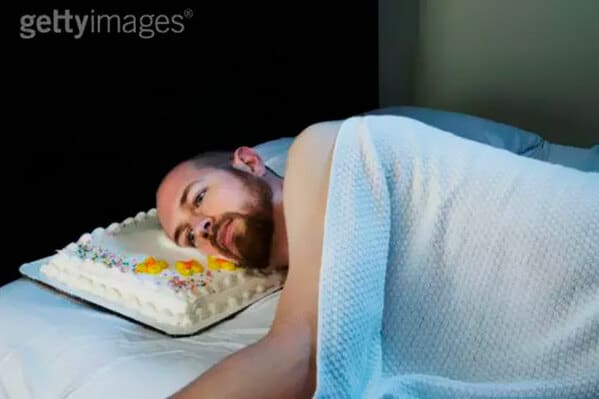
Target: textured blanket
452 269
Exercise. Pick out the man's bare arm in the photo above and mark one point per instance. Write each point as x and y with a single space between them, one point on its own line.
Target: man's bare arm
283 364
269 368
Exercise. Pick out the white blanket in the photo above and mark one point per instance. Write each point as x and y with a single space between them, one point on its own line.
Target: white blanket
452 269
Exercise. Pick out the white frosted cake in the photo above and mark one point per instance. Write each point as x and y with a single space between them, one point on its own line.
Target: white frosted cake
135 269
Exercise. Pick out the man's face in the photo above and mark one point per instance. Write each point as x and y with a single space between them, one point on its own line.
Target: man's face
226 212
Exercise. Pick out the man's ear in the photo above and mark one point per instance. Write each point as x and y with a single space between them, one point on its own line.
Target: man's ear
248 160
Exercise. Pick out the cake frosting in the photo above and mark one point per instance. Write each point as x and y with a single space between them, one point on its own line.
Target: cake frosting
135 266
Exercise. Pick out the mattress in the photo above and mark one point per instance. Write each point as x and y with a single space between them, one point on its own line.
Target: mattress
54 346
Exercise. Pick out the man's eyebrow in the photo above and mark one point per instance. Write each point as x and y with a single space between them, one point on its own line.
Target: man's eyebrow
186 193
178 232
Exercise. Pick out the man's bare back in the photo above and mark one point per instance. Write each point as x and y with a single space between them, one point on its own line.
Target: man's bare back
282 364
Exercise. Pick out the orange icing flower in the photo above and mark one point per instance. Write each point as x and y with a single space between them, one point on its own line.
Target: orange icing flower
189 267
151 266
215 263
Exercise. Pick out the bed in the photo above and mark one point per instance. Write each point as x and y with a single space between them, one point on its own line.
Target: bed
53 346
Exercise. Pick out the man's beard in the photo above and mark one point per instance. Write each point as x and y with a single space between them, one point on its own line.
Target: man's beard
254 244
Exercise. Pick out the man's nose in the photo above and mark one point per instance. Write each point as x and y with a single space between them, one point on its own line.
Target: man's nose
203 227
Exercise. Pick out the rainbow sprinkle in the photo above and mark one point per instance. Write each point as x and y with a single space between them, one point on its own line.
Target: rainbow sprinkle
192 284
97 254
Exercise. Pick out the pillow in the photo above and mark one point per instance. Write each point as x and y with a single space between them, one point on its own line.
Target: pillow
471 127
585 159
274 154
500 135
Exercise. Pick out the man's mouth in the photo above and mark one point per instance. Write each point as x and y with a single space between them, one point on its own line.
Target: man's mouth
225 235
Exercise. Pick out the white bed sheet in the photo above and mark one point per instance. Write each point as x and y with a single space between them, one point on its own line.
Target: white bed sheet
54 346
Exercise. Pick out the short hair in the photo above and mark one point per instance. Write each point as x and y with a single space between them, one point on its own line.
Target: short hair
220 160
213 159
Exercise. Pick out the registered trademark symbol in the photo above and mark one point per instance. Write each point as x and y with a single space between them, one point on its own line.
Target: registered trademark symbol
188 13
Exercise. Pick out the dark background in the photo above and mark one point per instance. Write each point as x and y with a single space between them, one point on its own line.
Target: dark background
96 122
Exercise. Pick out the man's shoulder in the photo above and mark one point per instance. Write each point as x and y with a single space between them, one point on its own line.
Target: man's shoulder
313 147
305 187
304 202
316 137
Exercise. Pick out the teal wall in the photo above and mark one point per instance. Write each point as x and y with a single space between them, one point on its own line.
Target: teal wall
529 63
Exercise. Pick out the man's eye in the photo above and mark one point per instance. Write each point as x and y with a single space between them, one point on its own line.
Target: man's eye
198 199
191 237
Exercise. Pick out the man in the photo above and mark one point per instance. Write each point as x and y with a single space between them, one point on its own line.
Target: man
236 207
482 268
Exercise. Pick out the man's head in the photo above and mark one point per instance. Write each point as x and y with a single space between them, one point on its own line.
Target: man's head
220 203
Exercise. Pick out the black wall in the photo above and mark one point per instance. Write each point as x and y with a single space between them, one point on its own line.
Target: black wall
96 122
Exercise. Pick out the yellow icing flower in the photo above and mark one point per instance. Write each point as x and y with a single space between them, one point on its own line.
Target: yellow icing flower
151 266
189 267
228 266
215 263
